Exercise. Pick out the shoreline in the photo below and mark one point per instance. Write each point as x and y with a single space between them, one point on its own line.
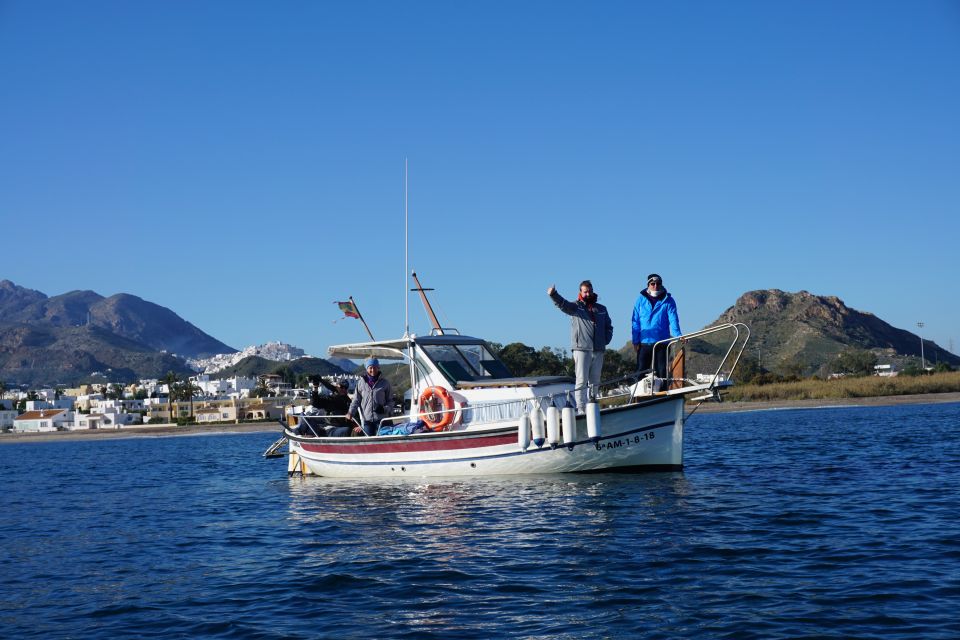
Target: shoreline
274 427
822 403
165 430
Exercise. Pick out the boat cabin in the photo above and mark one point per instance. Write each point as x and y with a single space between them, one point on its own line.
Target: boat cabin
465 366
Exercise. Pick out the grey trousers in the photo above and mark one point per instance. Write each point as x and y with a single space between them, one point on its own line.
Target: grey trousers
587 366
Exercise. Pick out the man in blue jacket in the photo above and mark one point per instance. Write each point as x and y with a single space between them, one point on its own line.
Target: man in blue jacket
654 319
590 332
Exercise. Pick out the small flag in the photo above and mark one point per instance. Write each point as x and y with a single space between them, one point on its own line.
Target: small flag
349 309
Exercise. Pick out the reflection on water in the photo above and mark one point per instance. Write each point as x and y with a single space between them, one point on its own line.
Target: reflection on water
456 520
483 541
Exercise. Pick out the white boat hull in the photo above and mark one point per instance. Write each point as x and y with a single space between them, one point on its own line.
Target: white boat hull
640 437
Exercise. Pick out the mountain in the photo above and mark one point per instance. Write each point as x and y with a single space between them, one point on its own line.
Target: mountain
807 331
46 355
14 298
66 338
123 314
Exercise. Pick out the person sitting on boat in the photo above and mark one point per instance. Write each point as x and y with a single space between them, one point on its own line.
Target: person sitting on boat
590 332
372 399
654 319
337 404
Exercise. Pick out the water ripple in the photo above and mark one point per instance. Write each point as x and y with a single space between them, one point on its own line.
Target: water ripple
818 523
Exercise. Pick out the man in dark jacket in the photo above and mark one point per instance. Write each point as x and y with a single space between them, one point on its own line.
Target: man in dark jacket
372 399
590 332
336 404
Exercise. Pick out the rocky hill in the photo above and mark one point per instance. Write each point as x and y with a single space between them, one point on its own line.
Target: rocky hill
808 331
276 351
47 355
67 338
121 314
253 366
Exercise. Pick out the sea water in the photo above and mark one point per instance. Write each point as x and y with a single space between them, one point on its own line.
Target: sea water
829 523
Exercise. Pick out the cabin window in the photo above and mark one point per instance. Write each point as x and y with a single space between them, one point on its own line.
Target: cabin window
466 362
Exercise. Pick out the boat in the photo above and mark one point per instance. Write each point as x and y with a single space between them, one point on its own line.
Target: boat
466 414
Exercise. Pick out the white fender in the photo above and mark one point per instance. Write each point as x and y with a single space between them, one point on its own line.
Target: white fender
553 426
536 427
523 433
569 421
593 421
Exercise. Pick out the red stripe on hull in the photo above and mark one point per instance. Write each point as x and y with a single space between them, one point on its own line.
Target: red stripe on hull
450 444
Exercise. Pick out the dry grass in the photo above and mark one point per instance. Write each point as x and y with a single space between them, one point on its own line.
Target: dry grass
847 388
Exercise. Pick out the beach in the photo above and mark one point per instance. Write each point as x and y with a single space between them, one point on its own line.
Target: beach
144 430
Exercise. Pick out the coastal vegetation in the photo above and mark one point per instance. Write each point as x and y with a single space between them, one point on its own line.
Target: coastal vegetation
848 387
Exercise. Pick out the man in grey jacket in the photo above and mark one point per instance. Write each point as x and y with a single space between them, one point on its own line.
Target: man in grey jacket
590 332
372 399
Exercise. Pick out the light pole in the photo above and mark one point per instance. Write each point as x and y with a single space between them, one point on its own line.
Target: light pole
923 362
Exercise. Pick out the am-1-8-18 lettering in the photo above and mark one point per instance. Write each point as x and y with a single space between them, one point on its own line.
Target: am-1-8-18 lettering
635 439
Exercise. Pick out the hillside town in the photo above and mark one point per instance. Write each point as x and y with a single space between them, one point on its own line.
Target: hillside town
197 399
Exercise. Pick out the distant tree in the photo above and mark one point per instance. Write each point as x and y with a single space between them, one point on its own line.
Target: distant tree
748 370
855 362
32 395
3 389
914 369
171 381
187 391
519 358
942 367
553 362
261 390
287 375
527 361
791 368
616 366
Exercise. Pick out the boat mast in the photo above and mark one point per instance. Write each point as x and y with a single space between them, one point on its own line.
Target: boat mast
406 268
411 353
426 304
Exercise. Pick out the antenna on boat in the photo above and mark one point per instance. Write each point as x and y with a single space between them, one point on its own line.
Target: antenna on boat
406 268
426 304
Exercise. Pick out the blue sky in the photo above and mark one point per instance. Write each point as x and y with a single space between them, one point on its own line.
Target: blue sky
242 163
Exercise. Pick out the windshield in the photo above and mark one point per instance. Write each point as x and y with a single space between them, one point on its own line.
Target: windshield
465 362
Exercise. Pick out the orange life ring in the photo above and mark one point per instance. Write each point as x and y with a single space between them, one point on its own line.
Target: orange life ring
429 399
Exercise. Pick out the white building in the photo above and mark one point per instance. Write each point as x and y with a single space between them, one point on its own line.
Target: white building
885 370
235 387
43 420
706 378
64 402
110 419
105 405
